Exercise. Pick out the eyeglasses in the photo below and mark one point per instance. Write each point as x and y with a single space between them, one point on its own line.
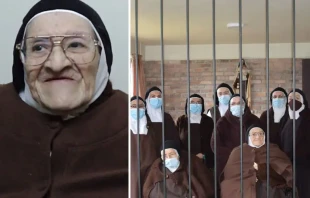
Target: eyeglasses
79 49
257 135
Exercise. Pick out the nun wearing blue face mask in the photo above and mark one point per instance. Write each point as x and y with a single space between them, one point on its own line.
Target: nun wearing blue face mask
176 164
153 99
278 115
222 97
201 128
150 141
148 152
228 129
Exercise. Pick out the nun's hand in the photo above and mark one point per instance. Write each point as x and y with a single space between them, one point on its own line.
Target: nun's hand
200 155
255 166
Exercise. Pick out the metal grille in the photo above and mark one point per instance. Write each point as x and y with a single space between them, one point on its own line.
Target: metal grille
214 67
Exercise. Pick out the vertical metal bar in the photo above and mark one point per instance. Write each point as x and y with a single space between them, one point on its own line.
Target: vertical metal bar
267 95
294 87
163 88
214 96
241 88
137 93
188 99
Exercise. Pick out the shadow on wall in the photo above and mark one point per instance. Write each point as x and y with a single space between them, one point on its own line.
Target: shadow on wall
201 76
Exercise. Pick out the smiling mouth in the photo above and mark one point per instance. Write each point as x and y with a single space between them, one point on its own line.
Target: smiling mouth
59 79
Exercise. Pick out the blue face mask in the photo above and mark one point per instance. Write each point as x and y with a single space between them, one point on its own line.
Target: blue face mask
278 103
195 108
172 163
156 102
224 99
134 113
235 110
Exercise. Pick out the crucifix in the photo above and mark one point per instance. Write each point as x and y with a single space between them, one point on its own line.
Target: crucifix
246 82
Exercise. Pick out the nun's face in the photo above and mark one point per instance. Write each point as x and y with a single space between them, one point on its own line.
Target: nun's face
236 101
155 94
58 83
257 136
222 91
298 97
133 104
195 100
278 94
170 153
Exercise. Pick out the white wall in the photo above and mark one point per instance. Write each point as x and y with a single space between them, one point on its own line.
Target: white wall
226 51
114 14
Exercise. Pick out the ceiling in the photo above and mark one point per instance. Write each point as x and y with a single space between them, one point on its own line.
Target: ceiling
253 12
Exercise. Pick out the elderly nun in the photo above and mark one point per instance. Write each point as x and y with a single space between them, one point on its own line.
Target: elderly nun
302 135
255 169
177 172
63 129
201 128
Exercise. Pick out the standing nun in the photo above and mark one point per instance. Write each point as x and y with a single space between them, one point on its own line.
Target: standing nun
278 115
154 113
302 116
222 97
201 128
150 143
63 129
228 129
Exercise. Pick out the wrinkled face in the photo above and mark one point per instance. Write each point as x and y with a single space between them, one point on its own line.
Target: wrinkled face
257 136
195 100
155 94
133 104
222 91
236 101
170 153
278 94
58 84
298 97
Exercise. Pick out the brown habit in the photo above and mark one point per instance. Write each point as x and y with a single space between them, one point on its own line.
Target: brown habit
200 137
228 135
149 149
302 150
177 182
217 112
280 173
45 157
274 128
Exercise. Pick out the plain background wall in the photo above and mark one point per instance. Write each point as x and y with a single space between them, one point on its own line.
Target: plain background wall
113 13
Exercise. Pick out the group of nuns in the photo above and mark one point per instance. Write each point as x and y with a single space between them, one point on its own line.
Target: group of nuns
228 110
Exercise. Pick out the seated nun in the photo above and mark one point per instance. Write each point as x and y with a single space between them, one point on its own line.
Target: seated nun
302 151
278 115
255 169
154 116
222 97
148 139
176 165
201 128
228 129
